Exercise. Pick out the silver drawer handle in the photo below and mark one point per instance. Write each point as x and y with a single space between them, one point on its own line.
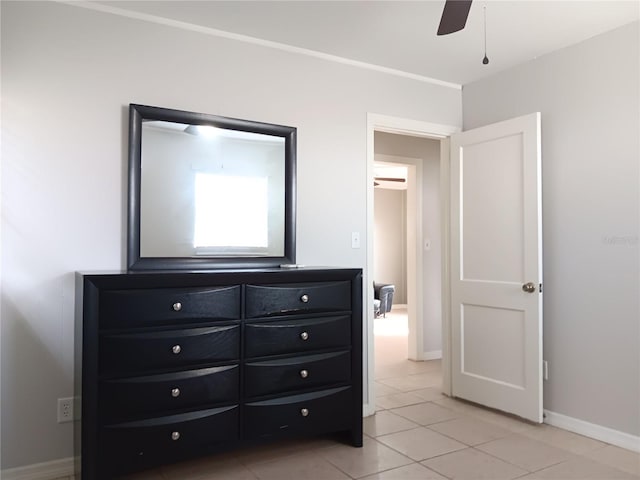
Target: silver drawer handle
177 307
176 349
304 336
175 435
304 412
304 373
304 298
175 392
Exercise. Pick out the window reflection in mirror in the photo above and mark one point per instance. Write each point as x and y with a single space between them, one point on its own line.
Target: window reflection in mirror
251 234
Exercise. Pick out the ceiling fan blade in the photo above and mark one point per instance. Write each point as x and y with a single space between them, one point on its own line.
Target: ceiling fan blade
389 179
454 16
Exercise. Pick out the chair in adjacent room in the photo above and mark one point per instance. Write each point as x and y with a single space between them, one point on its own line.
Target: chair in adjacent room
383 292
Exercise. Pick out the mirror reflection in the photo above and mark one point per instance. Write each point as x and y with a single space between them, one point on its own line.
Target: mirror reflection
210 191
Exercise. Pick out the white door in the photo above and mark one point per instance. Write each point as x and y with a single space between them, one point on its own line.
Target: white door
496 266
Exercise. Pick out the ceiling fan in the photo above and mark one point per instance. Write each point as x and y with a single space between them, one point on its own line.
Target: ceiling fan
454 16
377 180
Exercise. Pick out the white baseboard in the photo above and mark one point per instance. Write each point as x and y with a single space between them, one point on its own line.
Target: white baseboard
598 432
368 409
432 355
41 471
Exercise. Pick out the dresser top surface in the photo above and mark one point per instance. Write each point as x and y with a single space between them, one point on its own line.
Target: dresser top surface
173 278
140 273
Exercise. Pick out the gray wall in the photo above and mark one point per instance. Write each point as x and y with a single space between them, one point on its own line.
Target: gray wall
429 151
68 75
588 97
390 240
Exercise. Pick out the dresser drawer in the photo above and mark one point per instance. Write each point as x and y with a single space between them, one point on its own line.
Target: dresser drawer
146 307
295 298
272 376
170 391
318 412
132 352
296 335
132 443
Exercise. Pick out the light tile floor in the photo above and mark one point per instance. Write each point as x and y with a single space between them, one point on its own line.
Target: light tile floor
418 434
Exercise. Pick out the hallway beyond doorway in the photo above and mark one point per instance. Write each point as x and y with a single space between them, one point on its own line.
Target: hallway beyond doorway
400 381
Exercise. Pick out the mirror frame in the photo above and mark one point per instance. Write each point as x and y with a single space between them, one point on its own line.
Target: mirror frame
139 113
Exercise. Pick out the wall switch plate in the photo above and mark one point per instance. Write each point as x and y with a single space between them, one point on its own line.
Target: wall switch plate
355 239
65 410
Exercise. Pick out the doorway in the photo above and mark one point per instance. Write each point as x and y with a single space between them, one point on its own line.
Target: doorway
419 242
394 218
399 263
504 143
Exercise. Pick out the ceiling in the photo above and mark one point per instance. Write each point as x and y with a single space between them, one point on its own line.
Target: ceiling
400 35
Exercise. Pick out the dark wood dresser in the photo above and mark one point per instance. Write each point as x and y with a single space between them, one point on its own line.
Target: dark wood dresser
172 365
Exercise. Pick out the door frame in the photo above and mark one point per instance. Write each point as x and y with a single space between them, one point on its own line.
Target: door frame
404 126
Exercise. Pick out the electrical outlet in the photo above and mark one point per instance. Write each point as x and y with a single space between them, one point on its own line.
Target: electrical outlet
65 410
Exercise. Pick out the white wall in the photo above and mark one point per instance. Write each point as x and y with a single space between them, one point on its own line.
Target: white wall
429 151
390 240
68 75
588 95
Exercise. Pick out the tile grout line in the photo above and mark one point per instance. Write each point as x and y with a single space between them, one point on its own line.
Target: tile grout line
418 462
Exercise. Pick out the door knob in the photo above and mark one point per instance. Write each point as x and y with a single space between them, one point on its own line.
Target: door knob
529 287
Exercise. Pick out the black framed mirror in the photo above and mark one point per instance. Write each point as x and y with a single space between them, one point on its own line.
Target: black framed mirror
209 192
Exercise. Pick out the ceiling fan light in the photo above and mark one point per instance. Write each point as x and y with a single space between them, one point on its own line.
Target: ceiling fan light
204 130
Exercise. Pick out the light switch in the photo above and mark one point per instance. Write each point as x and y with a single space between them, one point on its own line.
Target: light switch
355 239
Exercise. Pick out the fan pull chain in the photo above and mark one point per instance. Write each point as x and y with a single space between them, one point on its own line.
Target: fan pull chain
485 60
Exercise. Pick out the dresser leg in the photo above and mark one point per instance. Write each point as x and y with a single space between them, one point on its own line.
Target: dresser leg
356 437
